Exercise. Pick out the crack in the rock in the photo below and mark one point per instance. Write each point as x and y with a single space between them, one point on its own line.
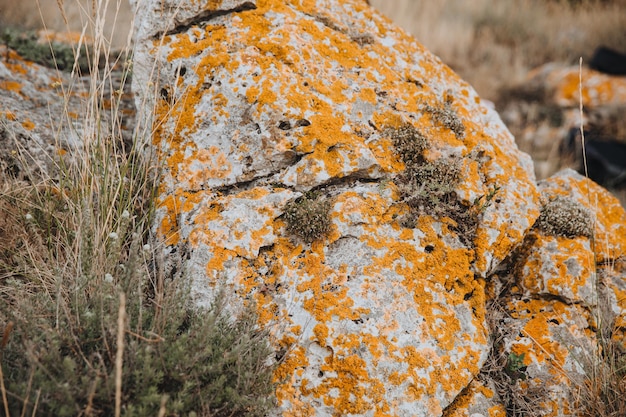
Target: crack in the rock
328 22
334 183
229 189
204 17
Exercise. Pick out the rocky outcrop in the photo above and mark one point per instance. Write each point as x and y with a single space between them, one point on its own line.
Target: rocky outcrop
325 168
544 114
32 102
47 114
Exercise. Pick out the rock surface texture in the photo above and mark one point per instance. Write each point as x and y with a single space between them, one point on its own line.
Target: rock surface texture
325 168
32 103
42 115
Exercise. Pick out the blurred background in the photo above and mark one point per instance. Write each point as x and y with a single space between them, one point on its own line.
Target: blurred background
508 50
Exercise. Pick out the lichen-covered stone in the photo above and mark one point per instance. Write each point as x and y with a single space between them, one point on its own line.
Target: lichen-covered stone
567 291
30 95
542 110
609 218
562 85
43 116
262 101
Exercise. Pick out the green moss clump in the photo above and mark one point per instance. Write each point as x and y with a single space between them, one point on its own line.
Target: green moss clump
308 217
52 55
564 216
426 187
430 186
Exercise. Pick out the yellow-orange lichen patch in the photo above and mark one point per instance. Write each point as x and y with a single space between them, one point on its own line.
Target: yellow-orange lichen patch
13 86
495 237
14 61
28 124
202 165
560 267
539 341
67 37
597 88
474 398
9 115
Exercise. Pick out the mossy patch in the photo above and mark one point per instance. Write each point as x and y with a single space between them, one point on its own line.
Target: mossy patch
564 216
428 187
447 117
55 55
308 217
410 144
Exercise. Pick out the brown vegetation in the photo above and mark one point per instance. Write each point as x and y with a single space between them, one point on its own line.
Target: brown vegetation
494 44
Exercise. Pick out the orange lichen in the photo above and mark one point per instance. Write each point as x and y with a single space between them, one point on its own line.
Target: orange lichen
610 216
467 398
72 38
14 62
566 271
13 86
597 88
28 124
9 115
539 344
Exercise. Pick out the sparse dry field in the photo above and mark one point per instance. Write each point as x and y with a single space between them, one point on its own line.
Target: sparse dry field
493 44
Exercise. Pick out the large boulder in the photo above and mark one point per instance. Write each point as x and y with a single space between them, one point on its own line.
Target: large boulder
322 166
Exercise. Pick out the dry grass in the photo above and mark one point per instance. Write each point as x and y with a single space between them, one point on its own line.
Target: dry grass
493 44
89 322
74 16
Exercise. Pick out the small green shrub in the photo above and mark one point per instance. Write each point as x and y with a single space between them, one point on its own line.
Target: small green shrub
428 187
52 55
564 216
515 366
60 357
308 217
484 201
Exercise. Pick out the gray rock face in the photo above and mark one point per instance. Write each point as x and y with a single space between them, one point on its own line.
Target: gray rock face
32 102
